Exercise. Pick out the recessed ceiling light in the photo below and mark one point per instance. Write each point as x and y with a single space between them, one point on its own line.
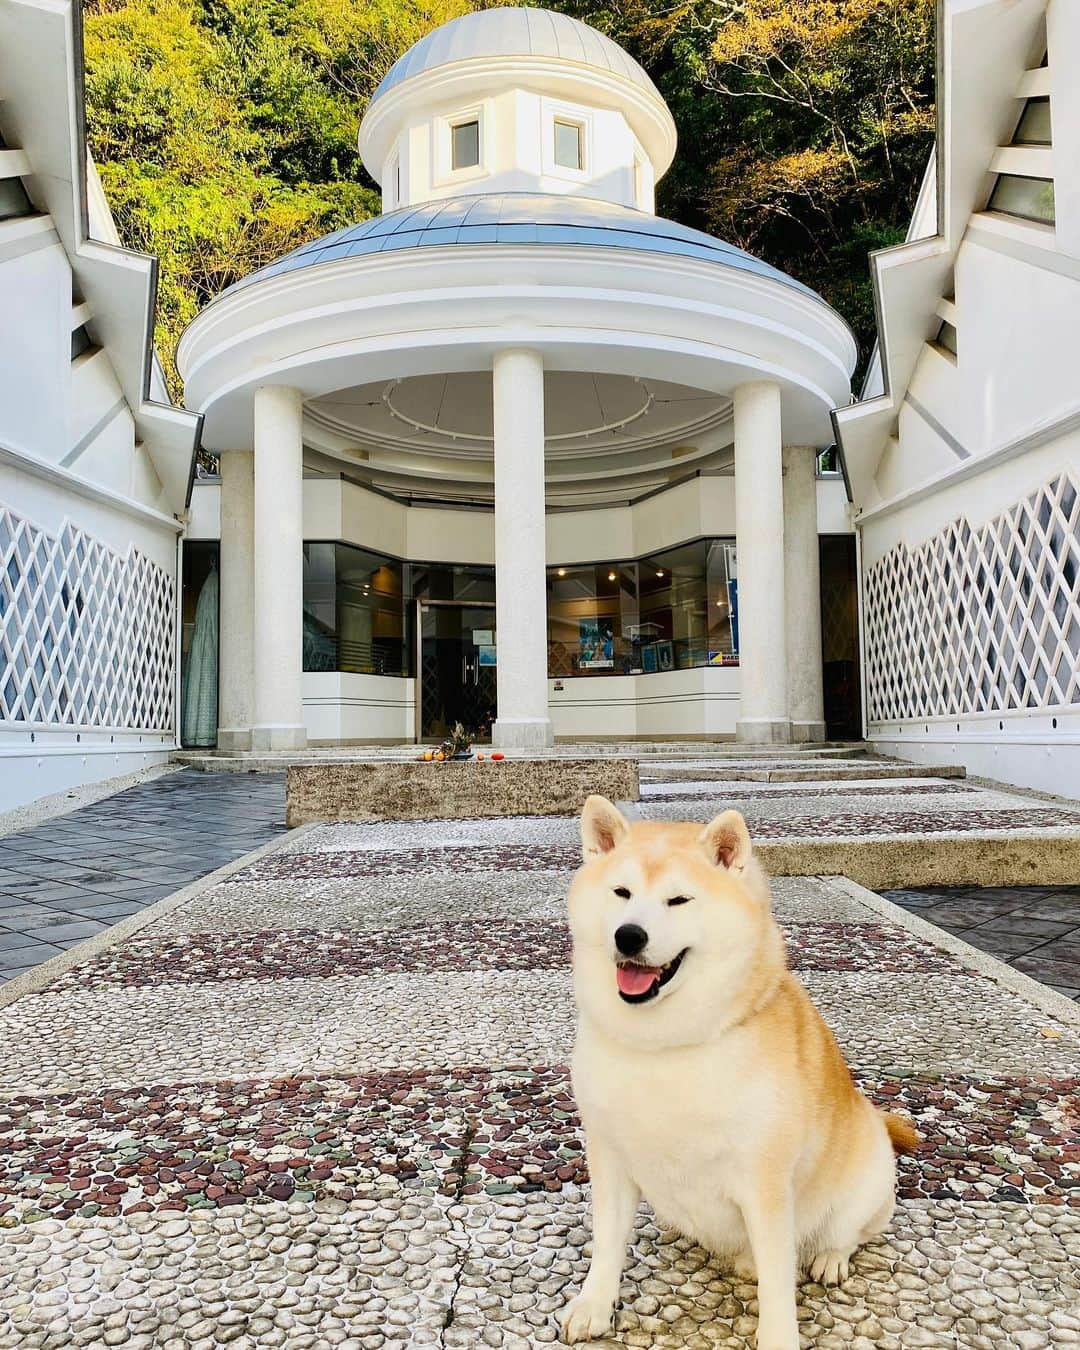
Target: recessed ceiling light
562 571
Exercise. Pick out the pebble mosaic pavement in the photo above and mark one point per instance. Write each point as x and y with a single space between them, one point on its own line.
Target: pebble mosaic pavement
326 1103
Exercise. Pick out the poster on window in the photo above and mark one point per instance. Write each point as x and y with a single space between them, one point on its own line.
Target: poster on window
596 645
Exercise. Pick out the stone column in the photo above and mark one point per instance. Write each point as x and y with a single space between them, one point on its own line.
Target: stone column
279 570
759 538
802 595
520 552
236 664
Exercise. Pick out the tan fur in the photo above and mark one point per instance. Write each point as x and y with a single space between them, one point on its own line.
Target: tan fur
902 1134
723 1099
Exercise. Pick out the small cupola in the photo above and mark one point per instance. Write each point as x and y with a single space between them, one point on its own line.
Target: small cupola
517 100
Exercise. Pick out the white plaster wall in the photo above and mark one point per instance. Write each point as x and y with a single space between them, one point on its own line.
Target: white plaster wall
340 706
516 150
204 513
834 515
35 338
701 702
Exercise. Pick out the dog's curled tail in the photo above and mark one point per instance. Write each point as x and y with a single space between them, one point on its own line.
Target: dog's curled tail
902 1134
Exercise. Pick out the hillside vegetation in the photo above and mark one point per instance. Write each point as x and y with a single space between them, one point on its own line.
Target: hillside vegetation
225 130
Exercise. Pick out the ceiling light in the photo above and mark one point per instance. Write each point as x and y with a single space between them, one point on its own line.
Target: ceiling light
562 571
660 572
611 576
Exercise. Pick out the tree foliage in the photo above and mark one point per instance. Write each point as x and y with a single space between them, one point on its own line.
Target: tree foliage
225 130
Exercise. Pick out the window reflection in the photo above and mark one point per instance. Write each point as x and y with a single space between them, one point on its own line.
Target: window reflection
354 611
671 611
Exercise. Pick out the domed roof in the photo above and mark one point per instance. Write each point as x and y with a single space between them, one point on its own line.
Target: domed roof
519 218
514 32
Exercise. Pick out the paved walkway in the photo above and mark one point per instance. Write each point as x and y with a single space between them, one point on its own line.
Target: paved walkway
326 1103
69 878
1034 928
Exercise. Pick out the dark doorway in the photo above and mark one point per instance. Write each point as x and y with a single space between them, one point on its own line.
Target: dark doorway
840 637
200 559
457 669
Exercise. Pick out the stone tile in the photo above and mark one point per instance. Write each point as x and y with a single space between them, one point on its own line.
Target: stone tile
1020 922
67 932
1004 945
110 908
10 942
17 959
955 914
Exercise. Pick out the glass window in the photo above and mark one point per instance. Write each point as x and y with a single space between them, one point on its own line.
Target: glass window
80 342
568 137
13 199
671 611
674 618
465 145
592 619
1029 198
1034 125
946 337
452 581
354 611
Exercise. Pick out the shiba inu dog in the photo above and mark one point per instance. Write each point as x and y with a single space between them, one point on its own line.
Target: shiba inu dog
706 1080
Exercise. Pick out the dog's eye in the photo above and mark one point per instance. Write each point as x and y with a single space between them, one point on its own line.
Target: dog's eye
679 900
622 892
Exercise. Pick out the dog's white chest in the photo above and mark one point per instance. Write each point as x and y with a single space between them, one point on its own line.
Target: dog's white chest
679 1126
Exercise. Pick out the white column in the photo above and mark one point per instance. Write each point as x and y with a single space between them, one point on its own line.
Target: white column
279 570
236 663
520 552
802 595
759 538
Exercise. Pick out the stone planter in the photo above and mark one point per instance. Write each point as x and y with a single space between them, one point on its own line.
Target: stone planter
454 789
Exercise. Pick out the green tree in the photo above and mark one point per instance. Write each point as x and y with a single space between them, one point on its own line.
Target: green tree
225 130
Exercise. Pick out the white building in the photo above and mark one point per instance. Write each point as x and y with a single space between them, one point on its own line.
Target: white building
94 462
964 457
519 394
519 451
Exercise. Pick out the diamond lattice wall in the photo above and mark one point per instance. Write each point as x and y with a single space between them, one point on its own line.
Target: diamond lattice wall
86 635
980 620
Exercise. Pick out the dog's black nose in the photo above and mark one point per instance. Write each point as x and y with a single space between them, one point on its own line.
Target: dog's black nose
630 938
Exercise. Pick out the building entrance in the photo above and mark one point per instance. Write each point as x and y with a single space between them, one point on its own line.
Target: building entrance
456 668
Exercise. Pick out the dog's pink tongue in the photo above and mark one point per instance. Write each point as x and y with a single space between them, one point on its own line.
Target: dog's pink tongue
636 979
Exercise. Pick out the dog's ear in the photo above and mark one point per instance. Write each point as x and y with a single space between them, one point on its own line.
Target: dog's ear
603 826
726 841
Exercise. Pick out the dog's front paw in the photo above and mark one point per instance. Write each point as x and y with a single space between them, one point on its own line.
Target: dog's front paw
586 1317
830 1267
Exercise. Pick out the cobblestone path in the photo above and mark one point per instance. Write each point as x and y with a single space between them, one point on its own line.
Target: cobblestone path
326 1103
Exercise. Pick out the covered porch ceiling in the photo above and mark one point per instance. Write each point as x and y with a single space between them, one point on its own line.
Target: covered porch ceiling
609 437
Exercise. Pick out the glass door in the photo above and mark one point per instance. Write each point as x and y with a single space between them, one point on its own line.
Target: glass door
457 669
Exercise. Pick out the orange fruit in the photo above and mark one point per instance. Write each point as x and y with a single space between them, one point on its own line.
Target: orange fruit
439 755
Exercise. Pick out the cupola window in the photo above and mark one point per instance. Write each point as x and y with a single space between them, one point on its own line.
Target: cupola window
946 337
568 145
1017 194
80 341
465 144
13 199
1034 125
1028 198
